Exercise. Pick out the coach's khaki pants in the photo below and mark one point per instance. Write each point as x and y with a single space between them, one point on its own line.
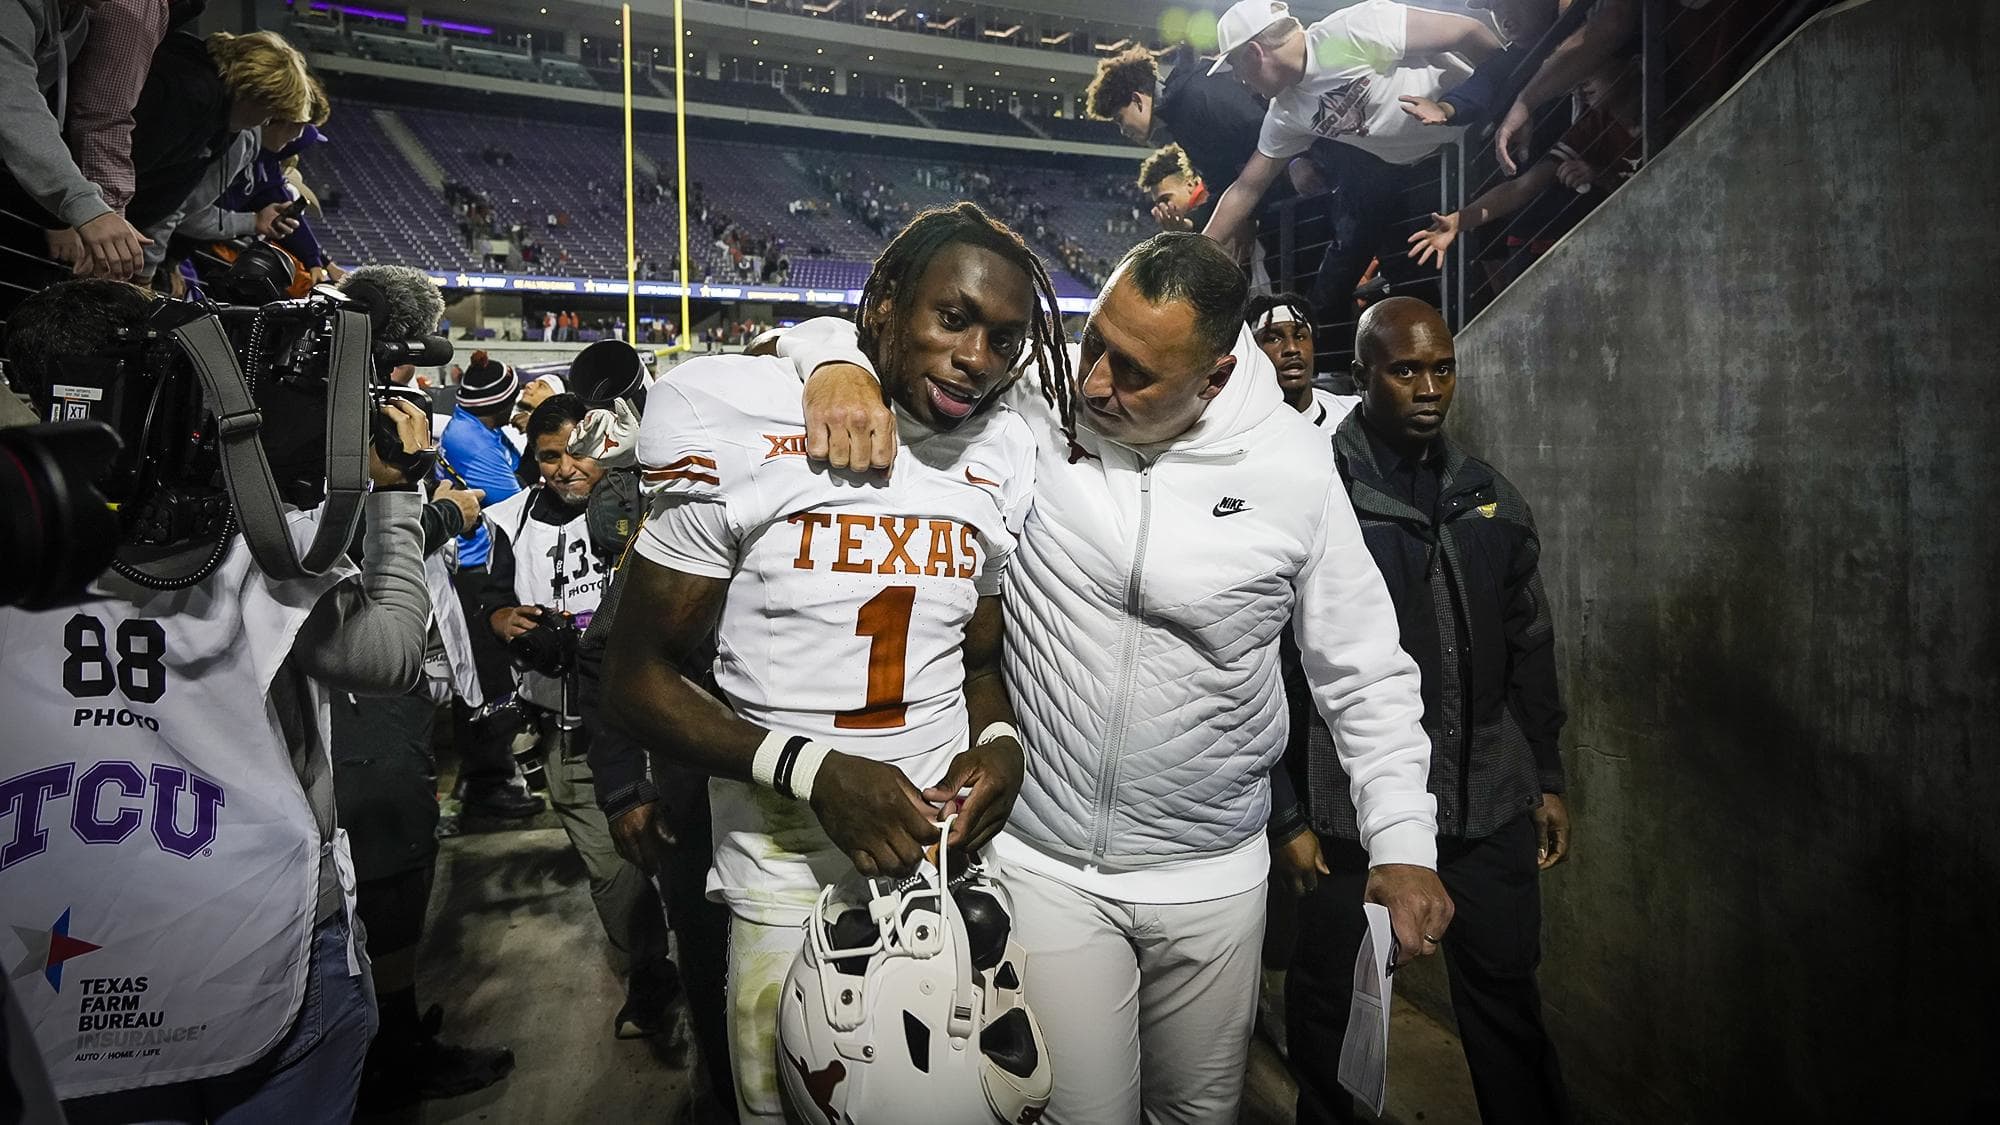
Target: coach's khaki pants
1147 1009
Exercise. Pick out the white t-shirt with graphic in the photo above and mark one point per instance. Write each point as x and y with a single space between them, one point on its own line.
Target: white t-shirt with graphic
1355 74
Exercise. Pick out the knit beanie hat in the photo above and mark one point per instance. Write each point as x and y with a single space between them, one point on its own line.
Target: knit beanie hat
487 383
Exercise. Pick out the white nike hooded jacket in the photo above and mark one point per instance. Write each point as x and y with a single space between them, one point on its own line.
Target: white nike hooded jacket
1143 609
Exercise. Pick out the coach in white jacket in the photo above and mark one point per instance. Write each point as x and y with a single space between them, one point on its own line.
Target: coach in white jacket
1182 517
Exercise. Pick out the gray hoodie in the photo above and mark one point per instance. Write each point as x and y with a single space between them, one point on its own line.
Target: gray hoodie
38 40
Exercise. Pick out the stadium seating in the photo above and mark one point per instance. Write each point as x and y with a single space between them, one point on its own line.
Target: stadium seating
555 70
745 95
406 49
389 213
857 107
312 35
1080 129
496 64
977 121
566 72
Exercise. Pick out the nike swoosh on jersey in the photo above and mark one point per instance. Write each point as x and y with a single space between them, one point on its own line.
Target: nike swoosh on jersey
1230 507
970 479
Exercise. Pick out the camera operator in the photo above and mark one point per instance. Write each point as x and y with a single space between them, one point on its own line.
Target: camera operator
385 789
211 963
544 581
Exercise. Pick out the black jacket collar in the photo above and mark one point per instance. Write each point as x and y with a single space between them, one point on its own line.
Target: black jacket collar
1367 476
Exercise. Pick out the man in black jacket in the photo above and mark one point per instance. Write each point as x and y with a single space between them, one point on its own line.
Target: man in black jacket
1457 548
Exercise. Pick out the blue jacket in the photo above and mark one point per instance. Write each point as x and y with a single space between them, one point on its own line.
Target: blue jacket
483 458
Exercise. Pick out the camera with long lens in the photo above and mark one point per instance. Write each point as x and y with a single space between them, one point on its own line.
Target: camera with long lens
228 415
59 533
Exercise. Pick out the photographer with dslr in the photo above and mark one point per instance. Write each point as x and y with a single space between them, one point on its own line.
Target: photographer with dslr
164 768
544 582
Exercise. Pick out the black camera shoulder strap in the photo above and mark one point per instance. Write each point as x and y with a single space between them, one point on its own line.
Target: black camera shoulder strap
259 510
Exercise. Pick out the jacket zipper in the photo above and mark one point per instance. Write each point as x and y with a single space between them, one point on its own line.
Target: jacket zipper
1107 778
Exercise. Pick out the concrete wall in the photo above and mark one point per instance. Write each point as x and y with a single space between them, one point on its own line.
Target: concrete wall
1752 402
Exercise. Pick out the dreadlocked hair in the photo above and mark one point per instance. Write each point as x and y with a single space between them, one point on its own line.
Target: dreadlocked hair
902 264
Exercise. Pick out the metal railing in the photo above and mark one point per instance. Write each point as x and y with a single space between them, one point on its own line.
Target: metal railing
1676 61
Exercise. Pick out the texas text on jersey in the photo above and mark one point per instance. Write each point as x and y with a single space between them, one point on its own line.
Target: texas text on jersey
849 596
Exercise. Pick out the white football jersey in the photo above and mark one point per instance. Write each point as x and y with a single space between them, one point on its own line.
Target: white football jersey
1329 410
849 597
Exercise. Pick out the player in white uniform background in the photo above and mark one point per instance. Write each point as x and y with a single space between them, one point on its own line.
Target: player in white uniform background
1281 323
544 566
857 626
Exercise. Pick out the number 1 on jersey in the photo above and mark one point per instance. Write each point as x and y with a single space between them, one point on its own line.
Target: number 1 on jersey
885 620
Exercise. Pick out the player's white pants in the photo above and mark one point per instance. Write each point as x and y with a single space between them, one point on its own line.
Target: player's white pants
759 958
771 859
1147 1008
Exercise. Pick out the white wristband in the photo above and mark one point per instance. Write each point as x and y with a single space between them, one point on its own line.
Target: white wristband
996 731
788 763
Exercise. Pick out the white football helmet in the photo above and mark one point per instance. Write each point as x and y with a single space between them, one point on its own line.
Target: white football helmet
910 1010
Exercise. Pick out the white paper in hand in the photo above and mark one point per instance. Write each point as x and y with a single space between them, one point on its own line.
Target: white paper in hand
1364 1054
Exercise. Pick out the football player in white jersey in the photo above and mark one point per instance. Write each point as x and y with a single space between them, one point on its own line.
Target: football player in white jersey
545 578
857 628
1281 323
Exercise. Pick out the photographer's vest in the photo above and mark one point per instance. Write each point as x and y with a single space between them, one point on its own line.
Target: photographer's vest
159 861
554 566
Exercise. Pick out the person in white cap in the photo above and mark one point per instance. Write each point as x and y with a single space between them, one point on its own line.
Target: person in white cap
1341 79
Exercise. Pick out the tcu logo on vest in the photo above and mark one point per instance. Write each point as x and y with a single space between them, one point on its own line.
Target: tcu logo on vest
98 819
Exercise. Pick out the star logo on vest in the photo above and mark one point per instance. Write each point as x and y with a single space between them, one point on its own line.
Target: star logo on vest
48 949
1230 506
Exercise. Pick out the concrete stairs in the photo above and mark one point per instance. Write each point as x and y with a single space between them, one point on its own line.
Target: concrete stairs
796 103
412 149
